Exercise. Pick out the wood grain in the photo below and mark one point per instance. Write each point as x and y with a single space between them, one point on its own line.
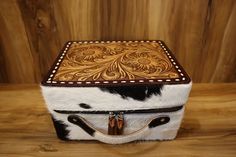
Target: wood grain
41 33
208 128
15 48
200 33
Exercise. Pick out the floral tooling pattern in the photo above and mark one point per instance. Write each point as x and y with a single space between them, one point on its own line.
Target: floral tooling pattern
115 61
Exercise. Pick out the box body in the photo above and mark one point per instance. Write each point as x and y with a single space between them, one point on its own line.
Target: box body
140 79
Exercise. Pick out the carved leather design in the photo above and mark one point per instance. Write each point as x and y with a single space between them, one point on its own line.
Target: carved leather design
115 61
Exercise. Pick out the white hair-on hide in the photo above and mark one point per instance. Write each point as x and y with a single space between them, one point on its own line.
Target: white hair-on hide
70 98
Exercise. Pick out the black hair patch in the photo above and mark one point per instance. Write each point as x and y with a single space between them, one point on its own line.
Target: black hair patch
85 106
140 92
60 129
79 122
159 121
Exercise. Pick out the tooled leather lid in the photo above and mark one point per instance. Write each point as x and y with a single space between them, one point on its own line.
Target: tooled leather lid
98 63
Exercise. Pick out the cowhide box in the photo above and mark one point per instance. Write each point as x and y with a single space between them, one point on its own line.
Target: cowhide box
116 91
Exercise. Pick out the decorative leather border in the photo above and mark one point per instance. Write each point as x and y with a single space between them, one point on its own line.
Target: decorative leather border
48 80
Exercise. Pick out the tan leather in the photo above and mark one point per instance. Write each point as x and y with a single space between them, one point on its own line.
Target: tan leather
111 63
115 61
112 124
120 124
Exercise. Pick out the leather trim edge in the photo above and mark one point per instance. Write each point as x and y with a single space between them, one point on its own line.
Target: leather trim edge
48 80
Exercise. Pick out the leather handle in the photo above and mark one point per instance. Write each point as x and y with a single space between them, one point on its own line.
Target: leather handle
117 139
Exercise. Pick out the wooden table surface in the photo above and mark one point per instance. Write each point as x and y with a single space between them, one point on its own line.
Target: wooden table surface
208 128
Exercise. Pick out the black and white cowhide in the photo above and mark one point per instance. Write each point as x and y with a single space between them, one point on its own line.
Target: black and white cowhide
97 99
140 93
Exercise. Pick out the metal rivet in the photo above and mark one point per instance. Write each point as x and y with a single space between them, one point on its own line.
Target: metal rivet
162 120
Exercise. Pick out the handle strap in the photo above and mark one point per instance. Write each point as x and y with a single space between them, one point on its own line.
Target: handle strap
117 139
